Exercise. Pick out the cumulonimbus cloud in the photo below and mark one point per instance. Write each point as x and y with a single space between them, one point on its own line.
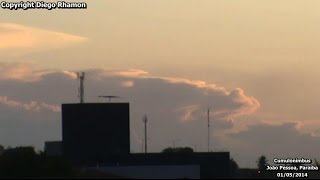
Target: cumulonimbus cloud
199 95
16 39
230 104
176 106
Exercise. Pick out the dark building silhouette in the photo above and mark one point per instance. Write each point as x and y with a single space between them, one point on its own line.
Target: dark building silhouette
95 132
97 135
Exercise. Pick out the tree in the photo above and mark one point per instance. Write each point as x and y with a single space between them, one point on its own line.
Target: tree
1 149
24 162
178 150
262 163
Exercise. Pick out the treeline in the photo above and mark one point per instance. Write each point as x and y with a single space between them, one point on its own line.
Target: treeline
25 162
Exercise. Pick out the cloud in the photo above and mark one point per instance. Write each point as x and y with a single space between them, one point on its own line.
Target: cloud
176 107
188 96
72 75
248 104
224 104
20 72
284 140
137 73
127 84
127 73
19 39
24 72
30 106
188 112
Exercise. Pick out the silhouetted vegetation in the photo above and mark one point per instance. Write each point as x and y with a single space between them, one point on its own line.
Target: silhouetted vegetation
262 163
24 162
178 150
1 150
262 166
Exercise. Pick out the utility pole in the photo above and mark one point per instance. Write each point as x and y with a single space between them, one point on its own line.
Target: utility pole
145 120
195 147
142 144
208 114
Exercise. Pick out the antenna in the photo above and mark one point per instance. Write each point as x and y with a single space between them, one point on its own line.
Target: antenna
174 142
109 97
80 76
145 120
195 146
208 113
142 144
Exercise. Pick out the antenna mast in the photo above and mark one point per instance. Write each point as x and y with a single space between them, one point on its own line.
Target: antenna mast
145 120
80 76
208 113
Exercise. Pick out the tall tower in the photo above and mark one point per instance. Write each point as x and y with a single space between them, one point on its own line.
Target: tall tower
145 121
208 114
80 76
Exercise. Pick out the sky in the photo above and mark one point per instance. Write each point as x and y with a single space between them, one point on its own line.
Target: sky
253 63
